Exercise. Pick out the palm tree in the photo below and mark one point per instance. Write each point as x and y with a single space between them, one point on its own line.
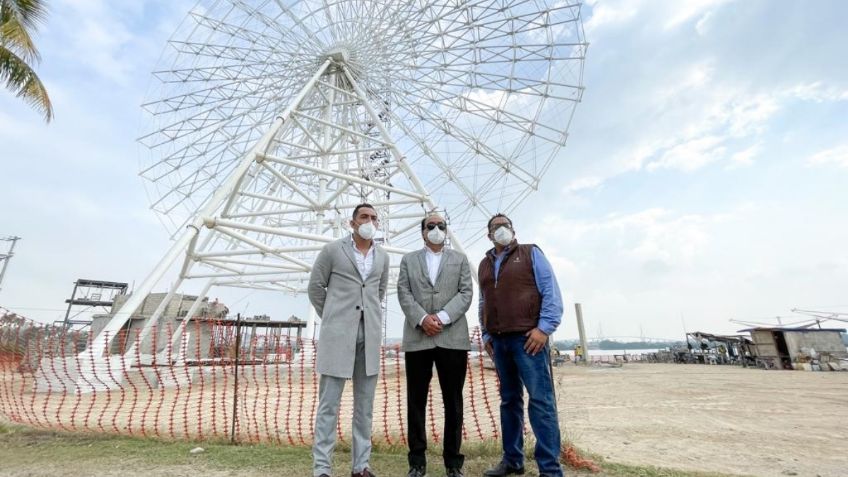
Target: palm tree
18 19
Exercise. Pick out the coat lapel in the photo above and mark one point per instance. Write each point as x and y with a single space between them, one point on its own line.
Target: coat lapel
422 262
377 267
347 248
442 264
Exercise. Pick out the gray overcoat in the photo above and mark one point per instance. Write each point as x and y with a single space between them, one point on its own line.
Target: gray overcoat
418 297
340 296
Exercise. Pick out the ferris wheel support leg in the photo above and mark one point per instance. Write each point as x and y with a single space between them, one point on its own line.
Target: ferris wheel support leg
176 342
101 343
151 322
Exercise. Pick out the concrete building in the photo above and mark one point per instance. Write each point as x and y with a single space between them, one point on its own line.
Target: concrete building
198 332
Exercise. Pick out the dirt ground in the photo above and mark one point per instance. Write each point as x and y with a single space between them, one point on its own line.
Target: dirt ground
700 419
710 418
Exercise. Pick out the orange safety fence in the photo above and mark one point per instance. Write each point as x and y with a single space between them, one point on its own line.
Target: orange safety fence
196 383
181 384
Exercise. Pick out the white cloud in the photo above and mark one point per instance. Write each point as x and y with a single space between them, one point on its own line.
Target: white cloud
835 156
618 13
655 234
681 12
750 115
691 155
609 14
704 24
745 157
584 183
818 92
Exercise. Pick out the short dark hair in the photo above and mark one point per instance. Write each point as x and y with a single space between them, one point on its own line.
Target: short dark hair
361 206
424 220
489 225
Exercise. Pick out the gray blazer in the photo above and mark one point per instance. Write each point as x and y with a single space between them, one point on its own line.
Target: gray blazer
340 296
418 297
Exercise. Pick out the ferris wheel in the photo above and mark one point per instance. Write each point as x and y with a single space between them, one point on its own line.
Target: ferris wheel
271 119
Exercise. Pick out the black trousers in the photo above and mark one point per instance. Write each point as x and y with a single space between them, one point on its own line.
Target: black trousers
451 366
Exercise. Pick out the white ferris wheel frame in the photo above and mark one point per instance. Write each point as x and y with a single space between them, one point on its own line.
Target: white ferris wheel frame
332 147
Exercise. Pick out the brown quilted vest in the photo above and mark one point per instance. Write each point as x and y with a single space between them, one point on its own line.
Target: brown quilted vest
512 302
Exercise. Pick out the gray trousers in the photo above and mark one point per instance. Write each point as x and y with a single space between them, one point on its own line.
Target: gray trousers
326 419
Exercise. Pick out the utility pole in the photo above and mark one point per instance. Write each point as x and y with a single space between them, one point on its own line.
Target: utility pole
579 310
6 257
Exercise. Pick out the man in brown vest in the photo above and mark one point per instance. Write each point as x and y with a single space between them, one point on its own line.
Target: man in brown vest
520 306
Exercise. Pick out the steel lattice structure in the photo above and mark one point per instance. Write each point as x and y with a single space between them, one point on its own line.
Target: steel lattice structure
271 120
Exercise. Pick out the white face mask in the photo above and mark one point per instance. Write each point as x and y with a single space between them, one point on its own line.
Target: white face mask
436 236
503 236
366 230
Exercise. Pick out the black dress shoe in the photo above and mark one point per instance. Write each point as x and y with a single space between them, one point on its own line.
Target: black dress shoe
416 472
454 473
503 469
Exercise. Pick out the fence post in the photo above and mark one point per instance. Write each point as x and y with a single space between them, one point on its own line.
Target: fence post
235 379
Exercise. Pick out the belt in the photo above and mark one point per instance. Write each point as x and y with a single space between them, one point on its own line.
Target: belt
508 334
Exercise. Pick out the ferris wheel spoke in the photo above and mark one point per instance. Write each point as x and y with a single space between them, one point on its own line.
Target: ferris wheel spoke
229 72
499 26
478 146
449 175
218 51
229 30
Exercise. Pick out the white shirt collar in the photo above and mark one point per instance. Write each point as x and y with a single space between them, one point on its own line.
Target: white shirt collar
431 252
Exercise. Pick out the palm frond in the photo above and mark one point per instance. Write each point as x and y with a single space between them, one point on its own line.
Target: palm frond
30 13
22 80
15 37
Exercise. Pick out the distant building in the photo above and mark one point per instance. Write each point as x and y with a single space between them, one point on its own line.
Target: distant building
208 334
198 335
783 348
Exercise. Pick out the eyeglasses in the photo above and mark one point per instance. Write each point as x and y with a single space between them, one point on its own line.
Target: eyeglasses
440 225
497 226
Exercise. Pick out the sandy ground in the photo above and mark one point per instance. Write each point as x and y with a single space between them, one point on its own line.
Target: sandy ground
710 418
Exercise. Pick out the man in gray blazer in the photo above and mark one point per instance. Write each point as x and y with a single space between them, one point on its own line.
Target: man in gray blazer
434 290
346 287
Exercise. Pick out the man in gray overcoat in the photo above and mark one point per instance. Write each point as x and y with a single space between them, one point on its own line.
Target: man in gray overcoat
346 287
434 290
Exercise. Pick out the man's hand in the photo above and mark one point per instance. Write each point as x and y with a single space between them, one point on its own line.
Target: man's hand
490 350
535 341
431 325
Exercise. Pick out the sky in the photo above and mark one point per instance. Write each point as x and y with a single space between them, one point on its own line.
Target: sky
704 179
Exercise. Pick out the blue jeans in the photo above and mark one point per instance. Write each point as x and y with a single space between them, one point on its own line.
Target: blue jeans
517 369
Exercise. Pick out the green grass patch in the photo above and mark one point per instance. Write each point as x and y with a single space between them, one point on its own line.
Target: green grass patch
26 451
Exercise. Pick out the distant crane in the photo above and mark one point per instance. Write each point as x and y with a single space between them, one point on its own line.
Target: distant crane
816 318
820 316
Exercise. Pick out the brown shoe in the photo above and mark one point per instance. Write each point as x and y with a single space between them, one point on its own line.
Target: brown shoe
365 473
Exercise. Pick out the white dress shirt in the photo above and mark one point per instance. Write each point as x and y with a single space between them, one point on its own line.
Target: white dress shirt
364 262
434 260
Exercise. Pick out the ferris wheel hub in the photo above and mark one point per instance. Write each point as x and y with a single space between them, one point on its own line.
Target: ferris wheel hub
338 54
